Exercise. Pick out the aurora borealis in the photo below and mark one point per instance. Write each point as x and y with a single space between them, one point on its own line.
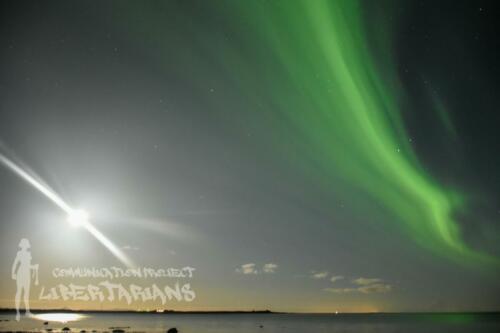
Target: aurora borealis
335 141
348 117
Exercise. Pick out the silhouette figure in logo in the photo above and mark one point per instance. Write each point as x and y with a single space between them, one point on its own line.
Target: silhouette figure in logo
22 271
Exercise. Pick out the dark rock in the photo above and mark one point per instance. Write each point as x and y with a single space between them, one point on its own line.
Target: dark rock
172 330
66 329
46 323
118 330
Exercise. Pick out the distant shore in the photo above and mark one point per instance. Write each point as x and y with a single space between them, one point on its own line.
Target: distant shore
10 310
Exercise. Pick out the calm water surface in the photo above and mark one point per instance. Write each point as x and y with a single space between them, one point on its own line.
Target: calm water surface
286 323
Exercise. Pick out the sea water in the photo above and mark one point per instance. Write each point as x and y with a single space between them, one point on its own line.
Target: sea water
266 323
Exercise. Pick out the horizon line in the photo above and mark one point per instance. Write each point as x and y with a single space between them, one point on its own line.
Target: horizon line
265 311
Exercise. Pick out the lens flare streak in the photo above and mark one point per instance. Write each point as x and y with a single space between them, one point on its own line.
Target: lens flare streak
72 213
49 193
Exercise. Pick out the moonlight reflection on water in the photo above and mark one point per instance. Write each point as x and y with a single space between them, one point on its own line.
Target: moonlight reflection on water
59 317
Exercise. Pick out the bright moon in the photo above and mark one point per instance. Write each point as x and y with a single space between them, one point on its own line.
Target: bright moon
78 218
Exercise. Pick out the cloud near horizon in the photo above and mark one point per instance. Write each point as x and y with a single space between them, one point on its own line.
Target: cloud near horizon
335 278
269 268
370 289
319 275
251 268
375 288
341 290
365 286
365 281
247 269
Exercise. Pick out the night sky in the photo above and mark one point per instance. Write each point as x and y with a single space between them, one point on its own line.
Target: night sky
301 155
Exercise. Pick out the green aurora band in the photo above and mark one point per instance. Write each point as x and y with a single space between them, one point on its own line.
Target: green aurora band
313 78
345 113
